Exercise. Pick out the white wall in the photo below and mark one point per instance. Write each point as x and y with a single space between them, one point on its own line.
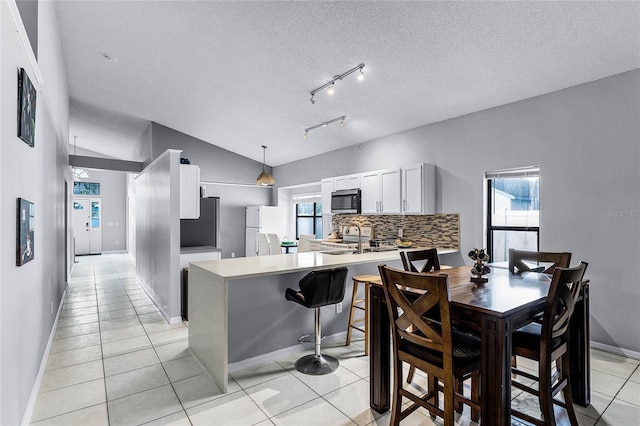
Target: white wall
30 294
113 192
157 190
586 140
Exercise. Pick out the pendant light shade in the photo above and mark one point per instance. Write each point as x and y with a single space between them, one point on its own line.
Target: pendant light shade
264 178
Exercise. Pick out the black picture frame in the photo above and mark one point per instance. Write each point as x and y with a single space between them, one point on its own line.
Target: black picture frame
26 108
24 231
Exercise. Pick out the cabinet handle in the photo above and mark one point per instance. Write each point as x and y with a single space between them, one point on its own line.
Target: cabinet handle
381 208
404 205
377 206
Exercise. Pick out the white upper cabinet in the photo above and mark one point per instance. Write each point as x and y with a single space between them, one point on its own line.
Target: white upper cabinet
189 191
346 182
381 192
418 189
326 188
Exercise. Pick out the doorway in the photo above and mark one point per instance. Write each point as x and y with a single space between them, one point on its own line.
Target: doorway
87 225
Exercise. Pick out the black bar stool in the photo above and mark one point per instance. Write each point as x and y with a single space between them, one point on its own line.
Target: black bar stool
317 289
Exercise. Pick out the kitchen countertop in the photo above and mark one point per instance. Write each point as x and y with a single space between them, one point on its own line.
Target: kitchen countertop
247 267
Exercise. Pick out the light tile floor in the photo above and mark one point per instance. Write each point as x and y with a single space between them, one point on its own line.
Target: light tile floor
114 361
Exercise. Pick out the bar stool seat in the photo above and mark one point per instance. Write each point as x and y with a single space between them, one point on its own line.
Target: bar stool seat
363 305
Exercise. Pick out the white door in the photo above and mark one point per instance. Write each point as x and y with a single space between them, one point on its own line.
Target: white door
370 192
81 222
87 225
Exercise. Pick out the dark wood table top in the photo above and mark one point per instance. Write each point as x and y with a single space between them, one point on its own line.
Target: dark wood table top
502 295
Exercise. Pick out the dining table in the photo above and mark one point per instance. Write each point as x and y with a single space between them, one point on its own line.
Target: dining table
493 310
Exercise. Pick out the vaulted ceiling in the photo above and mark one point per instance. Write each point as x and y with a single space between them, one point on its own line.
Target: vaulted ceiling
239 74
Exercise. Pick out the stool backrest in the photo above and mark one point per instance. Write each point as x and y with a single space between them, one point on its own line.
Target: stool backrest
274 243
429 256
325 287
303 243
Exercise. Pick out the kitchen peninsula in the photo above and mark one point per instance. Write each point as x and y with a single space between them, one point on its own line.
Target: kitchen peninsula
237 309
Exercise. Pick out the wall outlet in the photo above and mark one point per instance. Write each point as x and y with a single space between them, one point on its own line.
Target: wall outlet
400 232
233 254
338 307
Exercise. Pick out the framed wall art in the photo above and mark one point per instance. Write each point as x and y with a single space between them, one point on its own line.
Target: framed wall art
26 108
24 232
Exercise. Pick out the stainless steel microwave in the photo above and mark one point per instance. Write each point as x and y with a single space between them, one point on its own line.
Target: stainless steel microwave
345 201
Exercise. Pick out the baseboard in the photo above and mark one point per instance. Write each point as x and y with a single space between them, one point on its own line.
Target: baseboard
26 418
616 350
281 353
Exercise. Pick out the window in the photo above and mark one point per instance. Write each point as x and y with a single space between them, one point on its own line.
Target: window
86 188
513 211
309 219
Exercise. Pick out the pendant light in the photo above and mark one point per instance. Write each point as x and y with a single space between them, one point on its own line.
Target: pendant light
264 178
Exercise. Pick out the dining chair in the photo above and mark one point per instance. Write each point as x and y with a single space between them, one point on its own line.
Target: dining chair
428 256
435 348
274 243
410 261
522 261
263 244
303 243
518 261
547 340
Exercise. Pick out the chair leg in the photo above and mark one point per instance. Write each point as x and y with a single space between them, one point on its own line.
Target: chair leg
354 294
317 364
396 407
566 392
449 400
459 406
366 318
545 398
435 400
412 371
475 394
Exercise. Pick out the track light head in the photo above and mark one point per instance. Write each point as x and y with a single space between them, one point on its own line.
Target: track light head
330 89
312 100
360 75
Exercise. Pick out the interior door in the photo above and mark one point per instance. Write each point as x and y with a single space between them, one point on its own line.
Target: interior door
81 223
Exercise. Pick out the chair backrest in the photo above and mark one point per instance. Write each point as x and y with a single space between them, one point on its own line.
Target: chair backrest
325 287
408 320
303 243
563 295
429 256
263 244
517 259
274 242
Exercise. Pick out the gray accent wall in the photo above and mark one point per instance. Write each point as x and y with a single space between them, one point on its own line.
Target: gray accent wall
586 140
219 165
30 295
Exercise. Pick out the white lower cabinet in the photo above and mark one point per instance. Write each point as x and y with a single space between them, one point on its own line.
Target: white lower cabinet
381 192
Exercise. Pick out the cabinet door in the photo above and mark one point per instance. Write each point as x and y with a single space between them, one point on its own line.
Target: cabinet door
412 189
326 188
370 192
346 182
390 192
189 191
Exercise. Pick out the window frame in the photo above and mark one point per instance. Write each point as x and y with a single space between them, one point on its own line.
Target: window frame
315 216
532 171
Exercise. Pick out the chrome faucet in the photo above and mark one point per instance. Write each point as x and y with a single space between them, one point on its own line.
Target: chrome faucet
359 237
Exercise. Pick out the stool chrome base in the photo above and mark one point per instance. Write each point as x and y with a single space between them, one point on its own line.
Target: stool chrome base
316 365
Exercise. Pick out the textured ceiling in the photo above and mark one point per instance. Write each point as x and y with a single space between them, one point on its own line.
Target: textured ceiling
238 74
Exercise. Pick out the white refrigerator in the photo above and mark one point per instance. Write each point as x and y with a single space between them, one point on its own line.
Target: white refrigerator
263 219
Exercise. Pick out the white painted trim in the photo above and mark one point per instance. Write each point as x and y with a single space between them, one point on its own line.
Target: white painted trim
26 418
155 162
22 32
281 353
616 350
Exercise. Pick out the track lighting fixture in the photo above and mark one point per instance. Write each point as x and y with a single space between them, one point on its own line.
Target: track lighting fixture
325 124
264 178
330 84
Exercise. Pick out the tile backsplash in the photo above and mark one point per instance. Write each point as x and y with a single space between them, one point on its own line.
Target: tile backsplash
438 230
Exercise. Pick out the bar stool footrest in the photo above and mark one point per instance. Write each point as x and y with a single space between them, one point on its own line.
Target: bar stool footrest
309 338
